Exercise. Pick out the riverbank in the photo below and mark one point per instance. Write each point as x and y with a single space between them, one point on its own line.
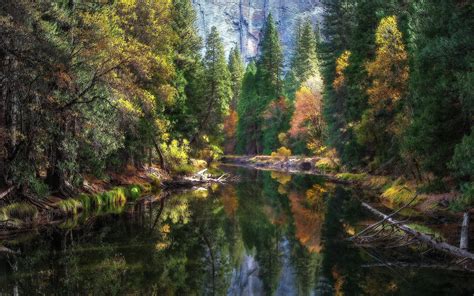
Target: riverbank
109 194
392 191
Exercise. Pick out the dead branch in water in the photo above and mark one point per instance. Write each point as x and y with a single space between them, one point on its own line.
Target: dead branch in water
426 239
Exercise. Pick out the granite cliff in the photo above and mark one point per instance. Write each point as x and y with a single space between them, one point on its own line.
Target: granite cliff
240 21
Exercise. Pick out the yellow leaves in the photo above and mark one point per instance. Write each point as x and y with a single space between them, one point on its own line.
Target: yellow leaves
282 152
280 177
389 70
128 107
342 63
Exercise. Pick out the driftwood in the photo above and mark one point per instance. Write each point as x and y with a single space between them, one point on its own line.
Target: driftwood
199 179
464 242
426 239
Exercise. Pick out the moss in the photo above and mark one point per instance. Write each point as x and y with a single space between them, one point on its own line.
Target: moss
351 177
21 211
426 230
134 192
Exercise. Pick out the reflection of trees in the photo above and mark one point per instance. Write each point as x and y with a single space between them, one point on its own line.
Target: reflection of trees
258 206
341 262
308 221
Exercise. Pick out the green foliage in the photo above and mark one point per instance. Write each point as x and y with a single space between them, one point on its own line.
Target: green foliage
20 211
262 110
70 206
216 87
305 60
442 64
176 153
351 176
463 159
249 108
466 200
133 192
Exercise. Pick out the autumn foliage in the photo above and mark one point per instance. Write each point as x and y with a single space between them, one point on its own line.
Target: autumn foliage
307 122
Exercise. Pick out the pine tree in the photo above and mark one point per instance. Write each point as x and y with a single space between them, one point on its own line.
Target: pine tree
305 60
236 69
441 83
270 63
187 61
216 88
270 84
249 110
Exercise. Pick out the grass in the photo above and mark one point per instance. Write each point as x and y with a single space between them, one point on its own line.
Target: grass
70 206
351 176
399 195
426 230
110 201
21 211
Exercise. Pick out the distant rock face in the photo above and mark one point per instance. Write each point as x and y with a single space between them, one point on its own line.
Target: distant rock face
239 22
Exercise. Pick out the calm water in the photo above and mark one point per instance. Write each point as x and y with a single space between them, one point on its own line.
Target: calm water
268 234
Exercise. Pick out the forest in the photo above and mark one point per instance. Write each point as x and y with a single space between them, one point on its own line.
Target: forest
90 87
97 94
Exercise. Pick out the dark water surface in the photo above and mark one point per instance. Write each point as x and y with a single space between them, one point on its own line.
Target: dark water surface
268 234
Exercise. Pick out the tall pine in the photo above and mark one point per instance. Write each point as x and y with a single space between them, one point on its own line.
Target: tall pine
216 88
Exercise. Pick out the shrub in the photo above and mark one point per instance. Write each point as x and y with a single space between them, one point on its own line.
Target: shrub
282 152
176 154
134 192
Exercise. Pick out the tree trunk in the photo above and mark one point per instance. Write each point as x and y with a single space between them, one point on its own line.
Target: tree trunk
464 242
440 246
160 154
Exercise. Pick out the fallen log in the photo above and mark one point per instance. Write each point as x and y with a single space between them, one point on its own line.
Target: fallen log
6 192
464 241
440 246
415 266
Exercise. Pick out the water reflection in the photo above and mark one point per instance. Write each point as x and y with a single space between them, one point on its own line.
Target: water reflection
270 234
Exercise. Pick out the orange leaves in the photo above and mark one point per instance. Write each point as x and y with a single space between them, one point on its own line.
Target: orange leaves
230 124
276 108
308 222
307 121
389 70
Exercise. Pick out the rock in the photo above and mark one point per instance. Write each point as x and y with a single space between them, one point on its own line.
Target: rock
239 22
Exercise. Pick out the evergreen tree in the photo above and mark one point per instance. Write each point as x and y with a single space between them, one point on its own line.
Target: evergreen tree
249 108
270 63
441 83
236 69
216 88
187 60
305 60
270 84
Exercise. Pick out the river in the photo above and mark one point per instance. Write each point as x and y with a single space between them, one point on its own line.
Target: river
268 233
